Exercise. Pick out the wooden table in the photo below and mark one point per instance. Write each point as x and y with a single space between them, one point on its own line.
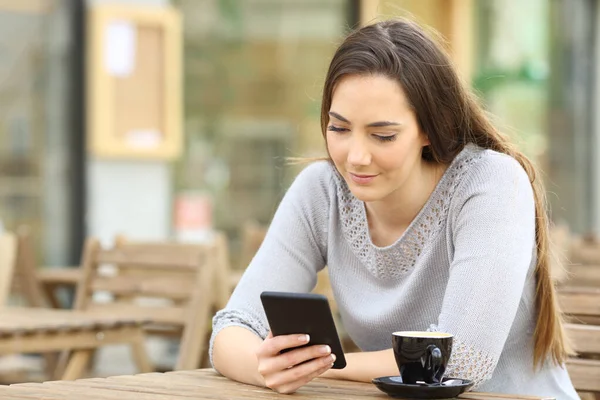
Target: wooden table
199 384
40 330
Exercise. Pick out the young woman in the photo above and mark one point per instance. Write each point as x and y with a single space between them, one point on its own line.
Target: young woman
427 218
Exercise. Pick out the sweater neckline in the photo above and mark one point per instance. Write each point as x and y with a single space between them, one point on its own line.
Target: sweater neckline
398 258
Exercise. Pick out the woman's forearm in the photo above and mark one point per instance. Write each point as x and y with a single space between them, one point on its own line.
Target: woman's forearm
364 367
234 355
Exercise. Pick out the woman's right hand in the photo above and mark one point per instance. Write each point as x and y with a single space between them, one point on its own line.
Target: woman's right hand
285 373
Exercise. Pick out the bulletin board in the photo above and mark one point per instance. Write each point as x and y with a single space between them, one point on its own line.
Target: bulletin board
134 66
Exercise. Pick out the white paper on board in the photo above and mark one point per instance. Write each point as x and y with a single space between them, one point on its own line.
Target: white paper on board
119 48
143 139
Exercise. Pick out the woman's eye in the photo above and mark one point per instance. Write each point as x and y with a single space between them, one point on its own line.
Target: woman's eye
385 138
336 129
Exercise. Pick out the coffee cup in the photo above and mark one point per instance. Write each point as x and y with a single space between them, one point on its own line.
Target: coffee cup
422 356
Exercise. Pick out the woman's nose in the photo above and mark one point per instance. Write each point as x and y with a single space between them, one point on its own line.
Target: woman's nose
358 153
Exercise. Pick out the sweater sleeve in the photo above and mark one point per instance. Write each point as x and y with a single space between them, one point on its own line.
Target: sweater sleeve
493 236
290 256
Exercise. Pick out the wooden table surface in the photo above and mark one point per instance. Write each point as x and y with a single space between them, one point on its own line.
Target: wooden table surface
42 330
29 319
198 384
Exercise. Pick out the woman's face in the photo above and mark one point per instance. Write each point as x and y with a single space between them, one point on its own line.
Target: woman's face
373 137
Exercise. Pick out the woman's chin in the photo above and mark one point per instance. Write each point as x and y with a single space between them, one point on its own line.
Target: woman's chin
365 194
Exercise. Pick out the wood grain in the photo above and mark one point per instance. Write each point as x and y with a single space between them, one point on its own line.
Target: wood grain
202 384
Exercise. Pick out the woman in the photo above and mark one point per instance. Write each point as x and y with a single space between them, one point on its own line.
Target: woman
427 218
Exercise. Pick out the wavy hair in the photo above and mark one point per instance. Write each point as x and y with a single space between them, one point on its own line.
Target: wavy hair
451 117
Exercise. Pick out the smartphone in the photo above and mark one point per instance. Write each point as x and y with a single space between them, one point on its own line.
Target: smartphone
289 313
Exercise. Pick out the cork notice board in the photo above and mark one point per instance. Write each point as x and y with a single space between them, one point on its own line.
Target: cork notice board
134 82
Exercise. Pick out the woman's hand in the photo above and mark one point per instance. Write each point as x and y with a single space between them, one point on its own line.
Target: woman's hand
285 373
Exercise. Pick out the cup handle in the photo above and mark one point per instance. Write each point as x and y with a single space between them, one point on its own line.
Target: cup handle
433 362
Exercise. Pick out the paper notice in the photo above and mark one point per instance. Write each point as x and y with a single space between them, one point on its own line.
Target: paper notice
143 139
119 48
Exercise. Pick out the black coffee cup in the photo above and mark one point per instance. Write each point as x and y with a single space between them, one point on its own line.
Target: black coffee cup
422 356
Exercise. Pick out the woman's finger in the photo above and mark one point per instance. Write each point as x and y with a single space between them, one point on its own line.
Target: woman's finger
290 380
299 356
287 360
274 345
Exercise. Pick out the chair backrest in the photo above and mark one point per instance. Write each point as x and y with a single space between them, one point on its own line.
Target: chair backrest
169 284
583 264
223 272
560 245
132 270
8 254
25 279
253 234
582 306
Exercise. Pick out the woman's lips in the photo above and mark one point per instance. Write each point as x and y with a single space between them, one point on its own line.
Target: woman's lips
361 179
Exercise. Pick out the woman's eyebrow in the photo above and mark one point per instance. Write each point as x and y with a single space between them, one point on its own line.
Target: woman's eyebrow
377 124
338 116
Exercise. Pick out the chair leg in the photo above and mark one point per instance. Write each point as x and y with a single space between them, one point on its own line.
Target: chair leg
140 354
192 345
198 318
190 359
50 292
61 364
77 364
205 357
51 363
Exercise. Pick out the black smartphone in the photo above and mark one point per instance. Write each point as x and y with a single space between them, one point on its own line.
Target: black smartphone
289 313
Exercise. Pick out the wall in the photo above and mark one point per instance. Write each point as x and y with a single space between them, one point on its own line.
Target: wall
129 197
450 18
132 198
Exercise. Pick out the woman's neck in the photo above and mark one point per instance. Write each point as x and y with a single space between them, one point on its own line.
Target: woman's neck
388 218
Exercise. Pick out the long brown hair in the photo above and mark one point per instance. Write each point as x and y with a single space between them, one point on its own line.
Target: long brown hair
451 117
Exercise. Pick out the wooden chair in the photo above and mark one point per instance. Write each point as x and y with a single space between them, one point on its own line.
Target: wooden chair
582 306
39 330
169 284
253 234
25 277
584 262
224 278
49 279
222 267
37 285
14 251
577 261
8 254
26 281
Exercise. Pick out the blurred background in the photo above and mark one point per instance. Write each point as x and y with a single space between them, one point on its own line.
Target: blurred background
167 120
251 75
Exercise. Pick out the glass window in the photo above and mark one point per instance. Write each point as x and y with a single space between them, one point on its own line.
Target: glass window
35 83
253 75
534 70
512 69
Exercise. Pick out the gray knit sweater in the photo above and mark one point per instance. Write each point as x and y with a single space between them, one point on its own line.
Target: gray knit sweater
464 266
